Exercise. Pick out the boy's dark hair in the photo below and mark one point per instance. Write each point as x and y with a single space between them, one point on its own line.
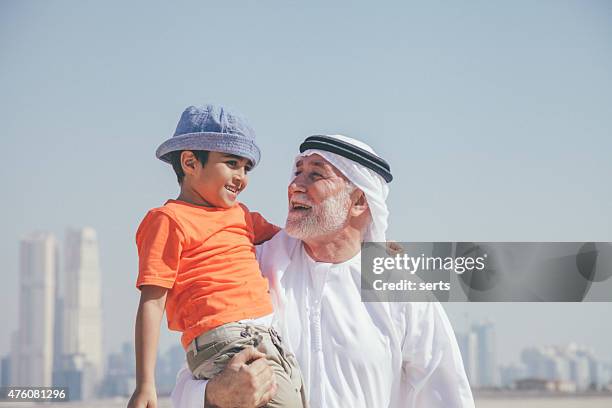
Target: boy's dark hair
175 160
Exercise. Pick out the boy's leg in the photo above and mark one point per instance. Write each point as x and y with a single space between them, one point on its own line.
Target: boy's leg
291 391
218 346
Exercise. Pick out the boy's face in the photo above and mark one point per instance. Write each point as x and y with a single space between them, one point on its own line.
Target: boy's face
220 180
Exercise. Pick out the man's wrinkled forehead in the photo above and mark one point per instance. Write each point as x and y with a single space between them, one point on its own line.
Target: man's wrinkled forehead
317 161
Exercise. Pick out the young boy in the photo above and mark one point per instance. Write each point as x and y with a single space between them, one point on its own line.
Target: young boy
197 260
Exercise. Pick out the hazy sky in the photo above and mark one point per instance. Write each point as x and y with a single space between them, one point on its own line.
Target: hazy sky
496 118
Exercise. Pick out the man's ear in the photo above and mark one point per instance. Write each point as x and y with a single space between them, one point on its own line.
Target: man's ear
188 162
359 203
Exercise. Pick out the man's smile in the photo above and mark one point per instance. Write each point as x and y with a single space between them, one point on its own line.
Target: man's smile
299 206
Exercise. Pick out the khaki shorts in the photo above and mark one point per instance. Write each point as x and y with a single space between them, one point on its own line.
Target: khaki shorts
210 352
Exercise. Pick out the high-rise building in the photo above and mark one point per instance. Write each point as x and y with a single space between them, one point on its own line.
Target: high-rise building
580 373
569 363
468 345
32 346
81 352
5 370
597 377
535 361
120 378
478 350
487 367
509 374
168 364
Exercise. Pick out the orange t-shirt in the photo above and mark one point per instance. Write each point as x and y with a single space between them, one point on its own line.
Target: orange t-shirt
206 257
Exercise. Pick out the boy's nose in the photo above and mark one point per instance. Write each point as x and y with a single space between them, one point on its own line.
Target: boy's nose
239 176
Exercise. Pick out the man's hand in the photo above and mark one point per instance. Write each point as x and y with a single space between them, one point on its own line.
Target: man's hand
394 248
246 382
144 397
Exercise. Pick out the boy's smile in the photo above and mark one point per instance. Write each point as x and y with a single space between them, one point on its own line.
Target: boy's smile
218 182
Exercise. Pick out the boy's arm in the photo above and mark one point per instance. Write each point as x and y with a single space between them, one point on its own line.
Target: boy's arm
148 320
262 229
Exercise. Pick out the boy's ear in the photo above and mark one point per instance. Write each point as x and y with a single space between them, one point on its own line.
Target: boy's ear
360 204
188 162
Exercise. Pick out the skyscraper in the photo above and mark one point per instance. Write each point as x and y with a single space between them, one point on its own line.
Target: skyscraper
567 363
81 361
32 346
487 367
468 345
5 371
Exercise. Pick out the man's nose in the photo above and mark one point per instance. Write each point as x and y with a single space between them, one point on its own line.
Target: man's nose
297 185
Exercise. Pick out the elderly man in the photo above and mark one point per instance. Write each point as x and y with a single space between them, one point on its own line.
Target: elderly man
352 353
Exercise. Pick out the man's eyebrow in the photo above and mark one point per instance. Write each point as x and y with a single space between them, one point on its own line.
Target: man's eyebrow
318 163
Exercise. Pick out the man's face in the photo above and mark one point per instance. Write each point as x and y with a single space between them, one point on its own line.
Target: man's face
319 199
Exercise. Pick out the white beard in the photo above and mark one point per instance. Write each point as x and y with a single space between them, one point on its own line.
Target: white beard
325 218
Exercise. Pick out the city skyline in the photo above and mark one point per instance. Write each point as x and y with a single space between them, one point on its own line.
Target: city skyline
58 340
74 285
576 366
81 260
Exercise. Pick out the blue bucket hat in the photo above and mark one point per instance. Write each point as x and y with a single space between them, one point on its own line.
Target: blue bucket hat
211 128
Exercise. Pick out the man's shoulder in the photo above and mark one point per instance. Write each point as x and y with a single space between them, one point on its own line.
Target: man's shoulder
279 243
416 312
276 253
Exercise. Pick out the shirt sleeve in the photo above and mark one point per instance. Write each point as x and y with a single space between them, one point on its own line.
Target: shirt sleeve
159 240
262 229
187 392
432 371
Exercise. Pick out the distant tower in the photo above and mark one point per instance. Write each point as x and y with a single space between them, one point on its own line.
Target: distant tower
32 346
487 367
82 327
468 345
5 370
58 327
